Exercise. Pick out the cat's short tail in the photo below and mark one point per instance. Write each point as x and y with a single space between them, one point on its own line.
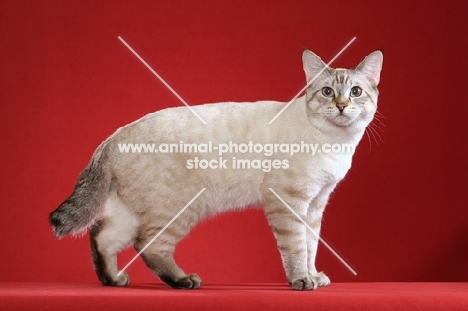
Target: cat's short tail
81 209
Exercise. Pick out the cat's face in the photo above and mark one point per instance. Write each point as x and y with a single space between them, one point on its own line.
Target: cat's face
342 97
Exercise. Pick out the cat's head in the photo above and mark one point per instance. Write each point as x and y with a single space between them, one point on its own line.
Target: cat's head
342 97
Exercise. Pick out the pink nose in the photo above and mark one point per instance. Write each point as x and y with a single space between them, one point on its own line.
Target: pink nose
341 103
341 106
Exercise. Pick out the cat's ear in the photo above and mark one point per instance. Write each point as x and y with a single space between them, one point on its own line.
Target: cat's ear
371 66
312 64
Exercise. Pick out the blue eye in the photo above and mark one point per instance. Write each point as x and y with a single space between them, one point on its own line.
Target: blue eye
356 91
328 92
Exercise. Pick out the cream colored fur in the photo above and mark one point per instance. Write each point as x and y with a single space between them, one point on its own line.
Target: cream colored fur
148 189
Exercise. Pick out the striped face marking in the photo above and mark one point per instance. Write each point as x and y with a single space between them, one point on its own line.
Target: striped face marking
342 97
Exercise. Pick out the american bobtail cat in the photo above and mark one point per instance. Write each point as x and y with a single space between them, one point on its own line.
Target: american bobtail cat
243 160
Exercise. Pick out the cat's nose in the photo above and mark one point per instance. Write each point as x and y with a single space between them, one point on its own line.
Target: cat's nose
341 106
341 103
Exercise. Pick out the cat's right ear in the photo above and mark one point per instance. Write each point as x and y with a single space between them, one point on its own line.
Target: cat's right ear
313 65
371 66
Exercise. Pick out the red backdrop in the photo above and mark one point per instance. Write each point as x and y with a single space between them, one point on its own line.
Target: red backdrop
67 83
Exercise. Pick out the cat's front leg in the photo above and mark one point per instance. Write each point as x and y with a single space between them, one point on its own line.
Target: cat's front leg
314 221
290 234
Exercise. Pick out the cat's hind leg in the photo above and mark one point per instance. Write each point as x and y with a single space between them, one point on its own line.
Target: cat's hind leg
158 256
115 231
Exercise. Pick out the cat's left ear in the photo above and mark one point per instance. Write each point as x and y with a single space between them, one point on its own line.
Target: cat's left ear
371 66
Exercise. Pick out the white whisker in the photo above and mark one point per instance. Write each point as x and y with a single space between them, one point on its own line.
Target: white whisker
370 142
376 118
377 132
306 130
381 114
372 131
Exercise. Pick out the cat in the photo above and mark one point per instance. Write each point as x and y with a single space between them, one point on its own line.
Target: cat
126 198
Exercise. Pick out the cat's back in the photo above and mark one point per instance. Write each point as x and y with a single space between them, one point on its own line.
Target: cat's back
143 172
225 120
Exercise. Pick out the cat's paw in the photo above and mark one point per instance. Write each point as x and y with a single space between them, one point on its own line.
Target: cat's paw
320 279
190 281
122 280
310 282
305 283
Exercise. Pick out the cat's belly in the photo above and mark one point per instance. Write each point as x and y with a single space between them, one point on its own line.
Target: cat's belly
148 182
232 189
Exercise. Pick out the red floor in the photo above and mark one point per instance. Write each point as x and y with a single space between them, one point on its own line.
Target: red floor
338 296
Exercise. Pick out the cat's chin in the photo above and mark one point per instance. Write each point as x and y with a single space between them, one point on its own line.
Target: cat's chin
342 121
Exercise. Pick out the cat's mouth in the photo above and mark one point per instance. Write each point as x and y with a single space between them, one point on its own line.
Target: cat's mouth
342 120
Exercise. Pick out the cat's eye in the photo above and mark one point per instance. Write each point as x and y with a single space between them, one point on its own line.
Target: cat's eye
356 91
327 92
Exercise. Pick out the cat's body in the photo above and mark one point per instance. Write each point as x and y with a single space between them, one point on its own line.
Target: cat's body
127 198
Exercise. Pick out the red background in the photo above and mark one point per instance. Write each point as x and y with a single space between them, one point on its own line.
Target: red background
67 83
